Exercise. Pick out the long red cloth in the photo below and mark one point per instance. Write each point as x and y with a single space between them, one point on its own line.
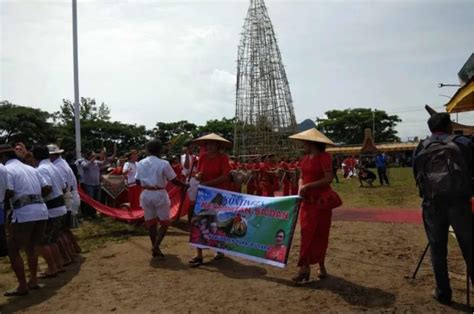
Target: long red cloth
315 227
136 214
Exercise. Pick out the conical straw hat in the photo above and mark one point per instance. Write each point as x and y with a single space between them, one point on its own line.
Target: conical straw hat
212 137
312 135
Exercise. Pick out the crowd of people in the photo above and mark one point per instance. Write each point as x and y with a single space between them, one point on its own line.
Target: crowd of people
38 196
39 190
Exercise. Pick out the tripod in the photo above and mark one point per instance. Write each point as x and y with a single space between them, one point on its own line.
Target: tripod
468 285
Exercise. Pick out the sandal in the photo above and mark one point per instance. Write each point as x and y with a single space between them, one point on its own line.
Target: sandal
302 277
15 293
157 253
219 256
47 276
196 261
322 273
38 286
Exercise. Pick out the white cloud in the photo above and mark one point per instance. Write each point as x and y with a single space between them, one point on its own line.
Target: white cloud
173 60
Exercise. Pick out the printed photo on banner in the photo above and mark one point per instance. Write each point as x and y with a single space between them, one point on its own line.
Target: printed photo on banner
251 227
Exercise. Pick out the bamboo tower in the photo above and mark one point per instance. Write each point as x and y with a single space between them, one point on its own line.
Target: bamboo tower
264 108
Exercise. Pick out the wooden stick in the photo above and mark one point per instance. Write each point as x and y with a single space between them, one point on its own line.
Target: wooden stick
183 193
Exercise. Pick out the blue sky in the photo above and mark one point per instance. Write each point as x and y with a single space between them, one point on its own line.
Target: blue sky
170 60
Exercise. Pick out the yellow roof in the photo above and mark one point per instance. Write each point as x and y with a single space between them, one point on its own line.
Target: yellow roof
390 147
463 100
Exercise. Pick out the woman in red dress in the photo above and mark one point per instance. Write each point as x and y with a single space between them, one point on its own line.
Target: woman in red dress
317 204
213 171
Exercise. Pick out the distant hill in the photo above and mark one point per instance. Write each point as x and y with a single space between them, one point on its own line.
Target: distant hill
306 125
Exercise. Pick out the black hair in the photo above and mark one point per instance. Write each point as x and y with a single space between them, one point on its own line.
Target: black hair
89 153
281 231
321 147
439 122
69 156
41 152
187 143
154 147
7 151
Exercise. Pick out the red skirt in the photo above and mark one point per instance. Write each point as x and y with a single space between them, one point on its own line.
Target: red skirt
134 196
315 226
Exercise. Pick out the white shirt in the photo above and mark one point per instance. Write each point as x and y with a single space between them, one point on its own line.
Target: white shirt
4 183
154 172
50 174
131 167
25 181
66 172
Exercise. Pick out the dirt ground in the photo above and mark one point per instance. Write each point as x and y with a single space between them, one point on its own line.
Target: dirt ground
368 263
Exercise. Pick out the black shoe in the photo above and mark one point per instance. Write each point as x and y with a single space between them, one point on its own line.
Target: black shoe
157 253
301 277
442 299
196 261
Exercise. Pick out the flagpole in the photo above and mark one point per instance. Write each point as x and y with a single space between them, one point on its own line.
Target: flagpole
77 117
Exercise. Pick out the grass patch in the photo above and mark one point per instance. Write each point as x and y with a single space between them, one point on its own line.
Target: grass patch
93 234
402 192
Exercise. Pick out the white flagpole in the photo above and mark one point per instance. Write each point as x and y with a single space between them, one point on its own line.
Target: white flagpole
77 116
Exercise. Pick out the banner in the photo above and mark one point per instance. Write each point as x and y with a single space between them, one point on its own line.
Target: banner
251 227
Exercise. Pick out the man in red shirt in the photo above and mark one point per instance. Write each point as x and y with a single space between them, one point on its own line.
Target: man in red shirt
251 186
286 176
294 176
277 252
266 177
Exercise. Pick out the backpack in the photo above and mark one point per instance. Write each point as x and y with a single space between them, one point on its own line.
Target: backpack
441 170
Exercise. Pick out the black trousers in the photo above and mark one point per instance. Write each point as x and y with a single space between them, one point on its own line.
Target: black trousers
334 174
382 172
3 242
3 239
437 217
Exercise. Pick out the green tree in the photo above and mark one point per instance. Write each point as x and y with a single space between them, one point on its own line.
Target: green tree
173 135
166 131
89 111
347 126
97 131
223 127
24 124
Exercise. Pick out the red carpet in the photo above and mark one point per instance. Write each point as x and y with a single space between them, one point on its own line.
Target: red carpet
409 216
136 214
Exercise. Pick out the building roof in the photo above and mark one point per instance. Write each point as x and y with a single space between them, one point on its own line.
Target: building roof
388 147
368 146
463 100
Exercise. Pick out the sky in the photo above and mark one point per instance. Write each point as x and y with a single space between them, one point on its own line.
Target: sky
159 60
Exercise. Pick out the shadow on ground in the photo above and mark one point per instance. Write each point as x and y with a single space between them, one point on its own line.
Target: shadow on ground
352 293
15 304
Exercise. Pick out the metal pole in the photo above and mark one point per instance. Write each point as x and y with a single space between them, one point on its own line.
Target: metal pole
77 116
420 261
